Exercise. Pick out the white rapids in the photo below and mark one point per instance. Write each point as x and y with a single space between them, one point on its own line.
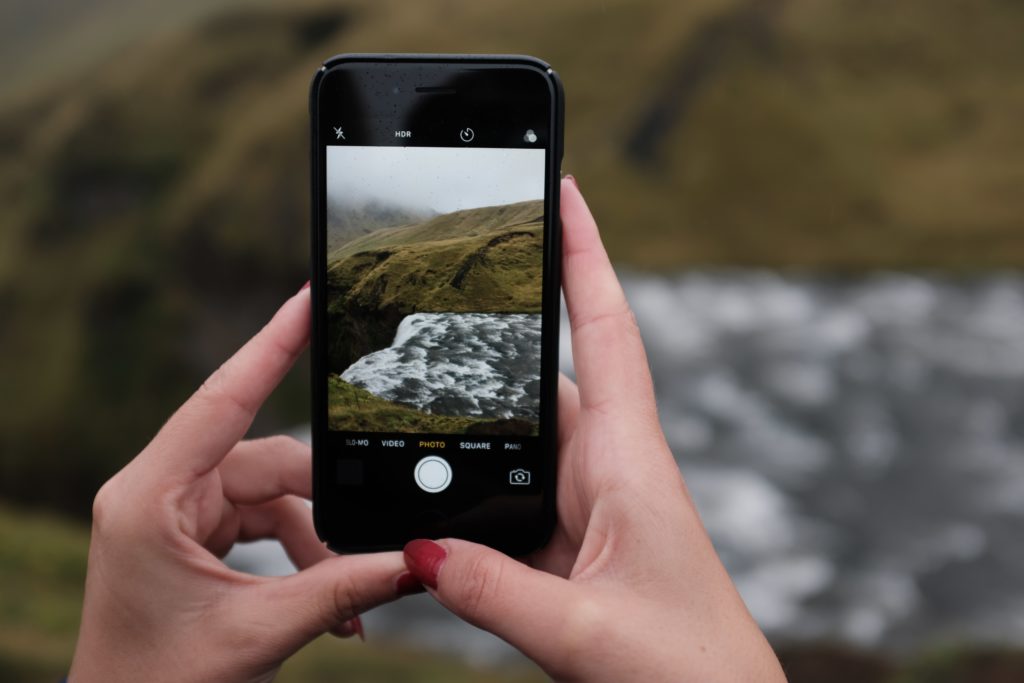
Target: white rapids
477 364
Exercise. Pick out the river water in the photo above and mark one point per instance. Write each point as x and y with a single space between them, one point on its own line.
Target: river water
855 447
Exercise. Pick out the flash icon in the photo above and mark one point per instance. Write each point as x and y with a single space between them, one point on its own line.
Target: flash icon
339 134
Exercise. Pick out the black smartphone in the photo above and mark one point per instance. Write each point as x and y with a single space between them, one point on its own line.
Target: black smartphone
435 289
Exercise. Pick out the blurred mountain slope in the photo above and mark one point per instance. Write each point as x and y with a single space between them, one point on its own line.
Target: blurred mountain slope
155 205
156 214
56 40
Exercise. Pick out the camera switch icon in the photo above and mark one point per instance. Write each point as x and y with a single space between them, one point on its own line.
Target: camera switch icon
519 477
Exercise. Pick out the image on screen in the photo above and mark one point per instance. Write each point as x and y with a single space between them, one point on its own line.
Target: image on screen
434 258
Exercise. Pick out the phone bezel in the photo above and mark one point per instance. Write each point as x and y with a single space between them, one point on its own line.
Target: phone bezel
525 540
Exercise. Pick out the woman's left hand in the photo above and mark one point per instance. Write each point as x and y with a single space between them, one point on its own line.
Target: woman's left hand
159 602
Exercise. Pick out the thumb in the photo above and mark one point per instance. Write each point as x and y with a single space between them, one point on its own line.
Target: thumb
530 609
294 610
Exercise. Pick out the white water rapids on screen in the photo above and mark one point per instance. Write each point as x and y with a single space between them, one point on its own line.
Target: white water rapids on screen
478 364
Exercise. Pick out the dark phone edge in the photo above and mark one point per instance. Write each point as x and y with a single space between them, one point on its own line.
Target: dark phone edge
551 302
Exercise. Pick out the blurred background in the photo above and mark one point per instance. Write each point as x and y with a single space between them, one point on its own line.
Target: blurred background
815 207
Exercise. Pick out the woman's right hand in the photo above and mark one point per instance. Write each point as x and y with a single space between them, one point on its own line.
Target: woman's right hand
630 587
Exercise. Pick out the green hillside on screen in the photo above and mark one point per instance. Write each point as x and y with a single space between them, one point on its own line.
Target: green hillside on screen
482 260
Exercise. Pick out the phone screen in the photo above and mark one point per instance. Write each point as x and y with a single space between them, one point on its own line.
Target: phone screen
435 244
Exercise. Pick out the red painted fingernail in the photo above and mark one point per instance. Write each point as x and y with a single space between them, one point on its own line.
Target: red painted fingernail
425 559
357 626
571 178
407 584
305 286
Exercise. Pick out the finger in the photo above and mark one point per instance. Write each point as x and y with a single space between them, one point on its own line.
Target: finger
559 556
217 416
611 366
256 472
352 627
294 610
528 608
289 520
264 469
568 409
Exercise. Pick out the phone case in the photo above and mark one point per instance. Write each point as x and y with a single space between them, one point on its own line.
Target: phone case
552 267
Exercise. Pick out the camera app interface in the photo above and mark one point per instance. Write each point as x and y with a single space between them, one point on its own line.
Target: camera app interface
433 293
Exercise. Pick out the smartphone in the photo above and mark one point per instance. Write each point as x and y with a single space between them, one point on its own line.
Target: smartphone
435 293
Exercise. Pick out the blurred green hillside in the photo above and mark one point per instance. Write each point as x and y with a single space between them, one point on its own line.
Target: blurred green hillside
155 191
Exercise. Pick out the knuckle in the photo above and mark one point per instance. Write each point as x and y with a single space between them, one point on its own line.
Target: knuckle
630 327
480 586
213 385
277 441
102 504
283 442
349 597
629 318
619 320
113 516
216 390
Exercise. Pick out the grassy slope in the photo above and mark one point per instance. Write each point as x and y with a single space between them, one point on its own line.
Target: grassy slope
419 263
42 574
457 224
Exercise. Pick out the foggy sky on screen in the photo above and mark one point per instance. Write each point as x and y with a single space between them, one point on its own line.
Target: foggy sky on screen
434 179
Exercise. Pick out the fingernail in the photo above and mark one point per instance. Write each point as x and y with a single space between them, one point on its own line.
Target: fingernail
425 559
347 629
305 286
571 178
407 584
357 626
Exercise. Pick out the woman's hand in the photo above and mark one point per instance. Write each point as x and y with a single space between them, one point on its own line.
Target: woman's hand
630 587
159 603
